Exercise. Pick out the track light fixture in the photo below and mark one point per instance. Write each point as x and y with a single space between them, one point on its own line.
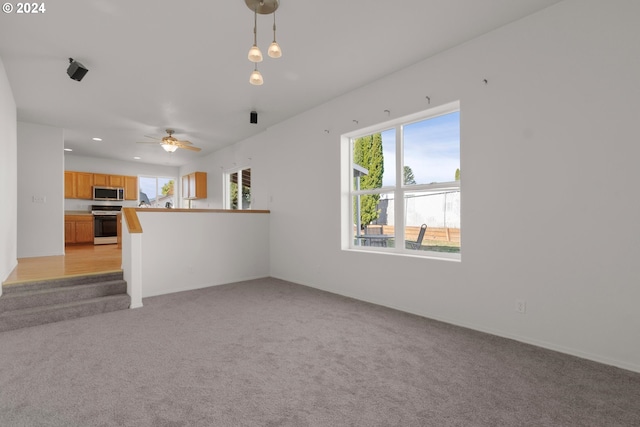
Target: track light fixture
263 7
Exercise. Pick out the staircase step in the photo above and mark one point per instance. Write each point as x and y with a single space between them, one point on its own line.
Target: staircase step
59 295
16 319
61 282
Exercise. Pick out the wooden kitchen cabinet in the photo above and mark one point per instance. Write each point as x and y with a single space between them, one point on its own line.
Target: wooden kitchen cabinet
130 188
116 181
101 180
78 229
106 180
194 186
78 185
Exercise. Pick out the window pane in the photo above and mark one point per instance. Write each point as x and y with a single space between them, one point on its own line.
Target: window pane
147 191
431 150
233 191
166 188
246 189
157 192
374 160
440 212
373 220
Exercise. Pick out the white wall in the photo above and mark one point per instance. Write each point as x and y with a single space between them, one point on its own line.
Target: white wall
246 154
8 177
555 127
179 251
74 162
40 207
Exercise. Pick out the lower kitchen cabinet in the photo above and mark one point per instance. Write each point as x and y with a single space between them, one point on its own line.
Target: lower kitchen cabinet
78 229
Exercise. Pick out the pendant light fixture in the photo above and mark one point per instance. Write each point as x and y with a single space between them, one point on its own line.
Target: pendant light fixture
274 48
256 78
263 7
254 53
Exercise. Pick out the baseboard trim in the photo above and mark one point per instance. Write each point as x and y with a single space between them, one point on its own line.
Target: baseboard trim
499 333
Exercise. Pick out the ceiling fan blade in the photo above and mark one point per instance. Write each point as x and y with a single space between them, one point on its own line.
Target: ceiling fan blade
184 142
153 137
188 147
148 142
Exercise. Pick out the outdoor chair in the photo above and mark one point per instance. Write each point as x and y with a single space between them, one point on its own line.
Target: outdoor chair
418 243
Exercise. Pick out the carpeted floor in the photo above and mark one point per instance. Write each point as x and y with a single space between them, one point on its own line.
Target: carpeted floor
272 353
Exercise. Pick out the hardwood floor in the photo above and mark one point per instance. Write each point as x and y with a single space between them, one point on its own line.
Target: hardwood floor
78 260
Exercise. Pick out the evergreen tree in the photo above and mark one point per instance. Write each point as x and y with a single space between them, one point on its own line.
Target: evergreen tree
367 152
458 174
409 179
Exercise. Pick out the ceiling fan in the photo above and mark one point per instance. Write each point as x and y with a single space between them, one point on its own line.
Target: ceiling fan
171 144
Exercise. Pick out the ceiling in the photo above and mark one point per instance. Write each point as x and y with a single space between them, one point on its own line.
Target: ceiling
157 64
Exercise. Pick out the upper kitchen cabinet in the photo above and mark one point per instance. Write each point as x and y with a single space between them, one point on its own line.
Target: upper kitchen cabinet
105 180
101 180
130 188
78 185
194 186
116 181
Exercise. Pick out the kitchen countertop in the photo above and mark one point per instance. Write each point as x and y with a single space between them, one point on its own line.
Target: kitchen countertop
77 213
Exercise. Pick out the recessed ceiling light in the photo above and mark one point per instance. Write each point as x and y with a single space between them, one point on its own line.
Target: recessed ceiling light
68 149
97 139
137 158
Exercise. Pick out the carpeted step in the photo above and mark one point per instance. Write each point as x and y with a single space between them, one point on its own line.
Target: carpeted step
30 298
61 282
16 319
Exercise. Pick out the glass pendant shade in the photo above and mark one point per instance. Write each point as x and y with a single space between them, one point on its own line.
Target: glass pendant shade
169 148
254 54
256 78
274 50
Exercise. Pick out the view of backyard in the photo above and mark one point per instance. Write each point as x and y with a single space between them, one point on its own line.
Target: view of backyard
422 169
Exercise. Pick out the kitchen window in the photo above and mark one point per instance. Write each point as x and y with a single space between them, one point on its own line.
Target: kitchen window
157 192
401 185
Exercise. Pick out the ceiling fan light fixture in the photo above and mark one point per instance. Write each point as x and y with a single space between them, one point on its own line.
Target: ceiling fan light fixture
169 148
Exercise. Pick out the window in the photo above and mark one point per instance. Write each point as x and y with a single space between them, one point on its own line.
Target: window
238 197
157 192
399 177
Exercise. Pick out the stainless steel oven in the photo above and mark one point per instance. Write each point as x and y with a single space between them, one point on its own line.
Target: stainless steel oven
105 224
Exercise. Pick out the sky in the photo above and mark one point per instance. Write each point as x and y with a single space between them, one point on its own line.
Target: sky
431 149
148 185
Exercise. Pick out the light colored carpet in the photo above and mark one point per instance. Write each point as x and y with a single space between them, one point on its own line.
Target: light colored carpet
272 353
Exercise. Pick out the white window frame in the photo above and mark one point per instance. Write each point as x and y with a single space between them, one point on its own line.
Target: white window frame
226 190
159 188
398 190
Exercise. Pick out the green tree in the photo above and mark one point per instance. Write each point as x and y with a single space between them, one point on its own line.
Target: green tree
409 179
367 152
167 189
458 174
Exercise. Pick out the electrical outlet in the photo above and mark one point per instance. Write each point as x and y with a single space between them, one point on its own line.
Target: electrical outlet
521 306
39 199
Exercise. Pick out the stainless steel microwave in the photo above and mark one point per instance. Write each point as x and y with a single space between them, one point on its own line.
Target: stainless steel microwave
108 193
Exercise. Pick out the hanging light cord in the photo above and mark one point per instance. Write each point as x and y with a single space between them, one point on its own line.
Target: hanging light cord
255 26
274 26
